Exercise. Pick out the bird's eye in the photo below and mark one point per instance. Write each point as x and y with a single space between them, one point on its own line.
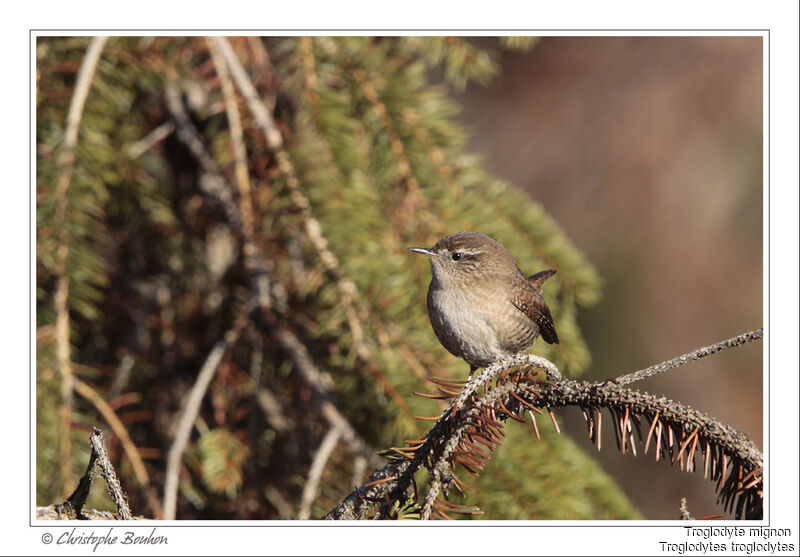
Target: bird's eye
457 256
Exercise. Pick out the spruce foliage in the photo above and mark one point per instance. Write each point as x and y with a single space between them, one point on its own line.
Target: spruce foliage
158 272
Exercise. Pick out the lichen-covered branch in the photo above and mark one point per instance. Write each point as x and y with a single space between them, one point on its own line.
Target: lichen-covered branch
132 452
651 371
72 508
474 421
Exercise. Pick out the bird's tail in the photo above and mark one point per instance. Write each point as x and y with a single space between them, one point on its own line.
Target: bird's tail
538 279
546 327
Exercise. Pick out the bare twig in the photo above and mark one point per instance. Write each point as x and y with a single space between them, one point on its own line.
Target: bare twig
260 112
108 473
359 467
272 409
58 512
214 183
147 142
237 140
139 470
684 510
73 506
253 259
66 162
315 473
264 70
121 376
689 357
187 418
82 84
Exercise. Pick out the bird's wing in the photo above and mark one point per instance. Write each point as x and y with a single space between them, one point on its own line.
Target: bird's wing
531 303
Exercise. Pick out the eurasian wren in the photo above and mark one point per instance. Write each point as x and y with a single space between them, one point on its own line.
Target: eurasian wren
482 308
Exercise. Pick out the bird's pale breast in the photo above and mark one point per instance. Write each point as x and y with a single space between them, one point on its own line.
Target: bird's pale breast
478 324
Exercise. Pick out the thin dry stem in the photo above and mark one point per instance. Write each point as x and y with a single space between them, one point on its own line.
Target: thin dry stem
252 256
184 425
321 457
147 142
66 162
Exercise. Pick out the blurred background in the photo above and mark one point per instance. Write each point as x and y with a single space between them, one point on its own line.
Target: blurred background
648 153
633 165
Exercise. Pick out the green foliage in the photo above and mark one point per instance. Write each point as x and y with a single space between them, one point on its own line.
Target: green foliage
221 456
48 486
381 160
459 59
551 479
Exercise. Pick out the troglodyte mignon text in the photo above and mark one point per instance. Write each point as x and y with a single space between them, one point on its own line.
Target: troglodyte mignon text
481 306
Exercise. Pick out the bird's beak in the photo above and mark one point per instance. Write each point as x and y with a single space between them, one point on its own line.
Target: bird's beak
424 251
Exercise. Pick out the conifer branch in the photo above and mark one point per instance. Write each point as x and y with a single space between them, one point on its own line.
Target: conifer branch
610 396
347 288
310 83
679 433
348 291
263 286
651 371
437 156
441 477
413 199
356 309
65 163
389 484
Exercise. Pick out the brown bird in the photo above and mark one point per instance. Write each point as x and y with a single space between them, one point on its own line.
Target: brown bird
482 308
